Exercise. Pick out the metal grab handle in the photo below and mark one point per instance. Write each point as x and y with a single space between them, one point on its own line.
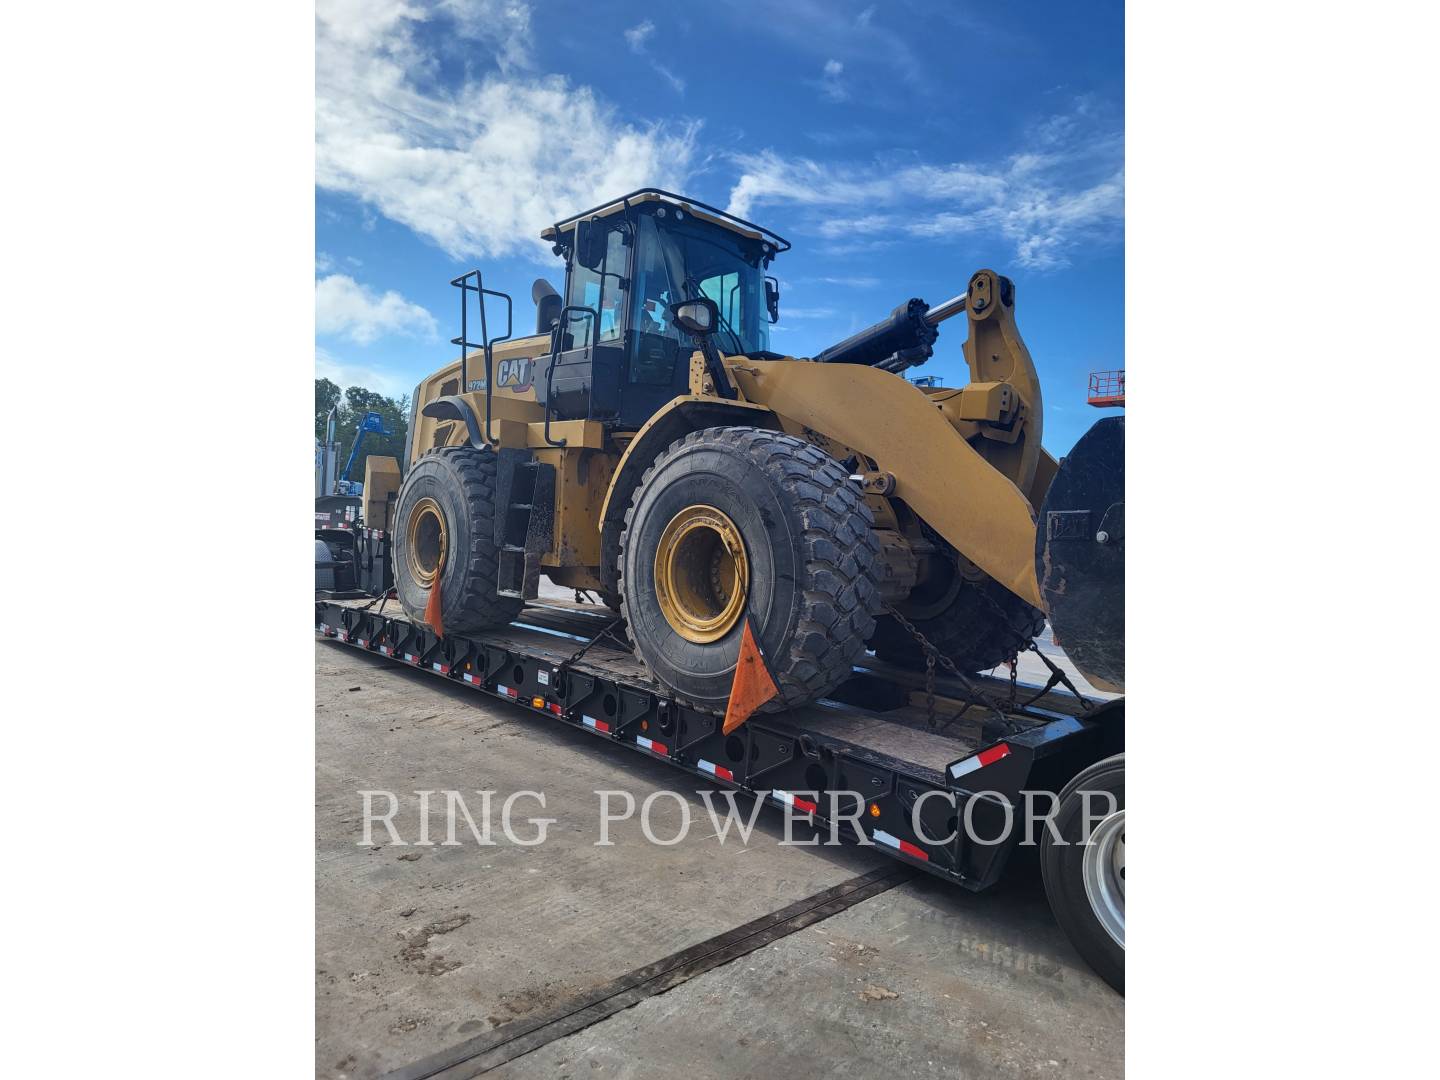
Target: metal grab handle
556 335
594 323
463 284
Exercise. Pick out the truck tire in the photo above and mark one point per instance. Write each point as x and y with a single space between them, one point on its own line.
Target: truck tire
984 624
445 532
730 520
1085 883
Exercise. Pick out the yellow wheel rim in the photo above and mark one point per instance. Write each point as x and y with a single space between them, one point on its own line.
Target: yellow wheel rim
429 540
701 574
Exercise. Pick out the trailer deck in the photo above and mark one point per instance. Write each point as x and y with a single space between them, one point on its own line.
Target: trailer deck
874 737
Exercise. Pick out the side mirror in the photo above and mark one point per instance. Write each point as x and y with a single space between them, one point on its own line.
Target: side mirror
772 299
698 318
590 239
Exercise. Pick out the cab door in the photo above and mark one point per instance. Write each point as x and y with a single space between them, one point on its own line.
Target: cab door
657 351
588 369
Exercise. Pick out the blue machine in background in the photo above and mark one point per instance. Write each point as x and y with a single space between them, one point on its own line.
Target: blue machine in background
326 481
350 560
371 422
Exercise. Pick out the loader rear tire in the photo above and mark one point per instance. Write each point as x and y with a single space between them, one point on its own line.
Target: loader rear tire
806 567
984 625
445 533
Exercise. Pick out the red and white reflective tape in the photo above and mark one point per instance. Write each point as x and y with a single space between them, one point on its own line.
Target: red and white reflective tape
364 643
508 691
342 635
651 745
715 770
468 677
900 845
980 760
385 650
444 669
597 725
803 805
325 628
412 658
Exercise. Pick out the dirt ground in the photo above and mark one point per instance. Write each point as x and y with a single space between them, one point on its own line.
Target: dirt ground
421 948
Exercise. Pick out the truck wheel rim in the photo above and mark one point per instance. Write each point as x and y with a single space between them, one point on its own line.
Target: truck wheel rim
701 574
1103 870
428 541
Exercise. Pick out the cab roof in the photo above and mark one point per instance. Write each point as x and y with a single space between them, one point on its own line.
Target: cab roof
694 207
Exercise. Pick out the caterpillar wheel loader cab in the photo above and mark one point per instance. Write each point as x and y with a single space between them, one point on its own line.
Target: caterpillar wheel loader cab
646 442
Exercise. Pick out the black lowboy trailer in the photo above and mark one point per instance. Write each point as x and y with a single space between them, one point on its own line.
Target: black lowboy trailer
974 769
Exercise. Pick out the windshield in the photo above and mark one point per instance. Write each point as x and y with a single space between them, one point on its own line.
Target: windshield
676 263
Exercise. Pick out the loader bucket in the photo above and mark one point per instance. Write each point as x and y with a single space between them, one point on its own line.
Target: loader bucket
1080 554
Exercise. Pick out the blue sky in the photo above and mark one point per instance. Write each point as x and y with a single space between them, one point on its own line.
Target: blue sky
899 146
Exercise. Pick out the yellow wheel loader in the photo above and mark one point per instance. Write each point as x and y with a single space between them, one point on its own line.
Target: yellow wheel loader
647 443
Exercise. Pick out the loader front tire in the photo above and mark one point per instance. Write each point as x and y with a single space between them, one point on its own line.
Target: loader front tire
735 520
445 538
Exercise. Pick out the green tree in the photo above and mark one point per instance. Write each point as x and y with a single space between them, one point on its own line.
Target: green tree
354 403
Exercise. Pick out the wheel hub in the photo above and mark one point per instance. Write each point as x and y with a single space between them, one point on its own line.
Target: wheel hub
428 541
701 574
1103 871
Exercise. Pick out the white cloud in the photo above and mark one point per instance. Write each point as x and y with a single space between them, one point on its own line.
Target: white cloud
345 308
345 374
637 36
831 88
502 24
480 168
1044 201
676 83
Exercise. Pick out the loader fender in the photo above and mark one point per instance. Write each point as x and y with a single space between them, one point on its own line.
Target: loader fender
674 421
454 407
937 473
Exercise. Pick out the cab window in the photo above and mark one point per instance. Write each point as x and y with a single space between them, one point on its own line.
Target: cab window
602 290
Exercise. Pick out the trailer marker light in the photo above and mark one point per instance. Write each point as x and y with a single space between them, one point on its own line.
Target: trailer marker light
977 761
556 709
874 809
715 770
538 702
798 803
901 845
591 722
651 745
